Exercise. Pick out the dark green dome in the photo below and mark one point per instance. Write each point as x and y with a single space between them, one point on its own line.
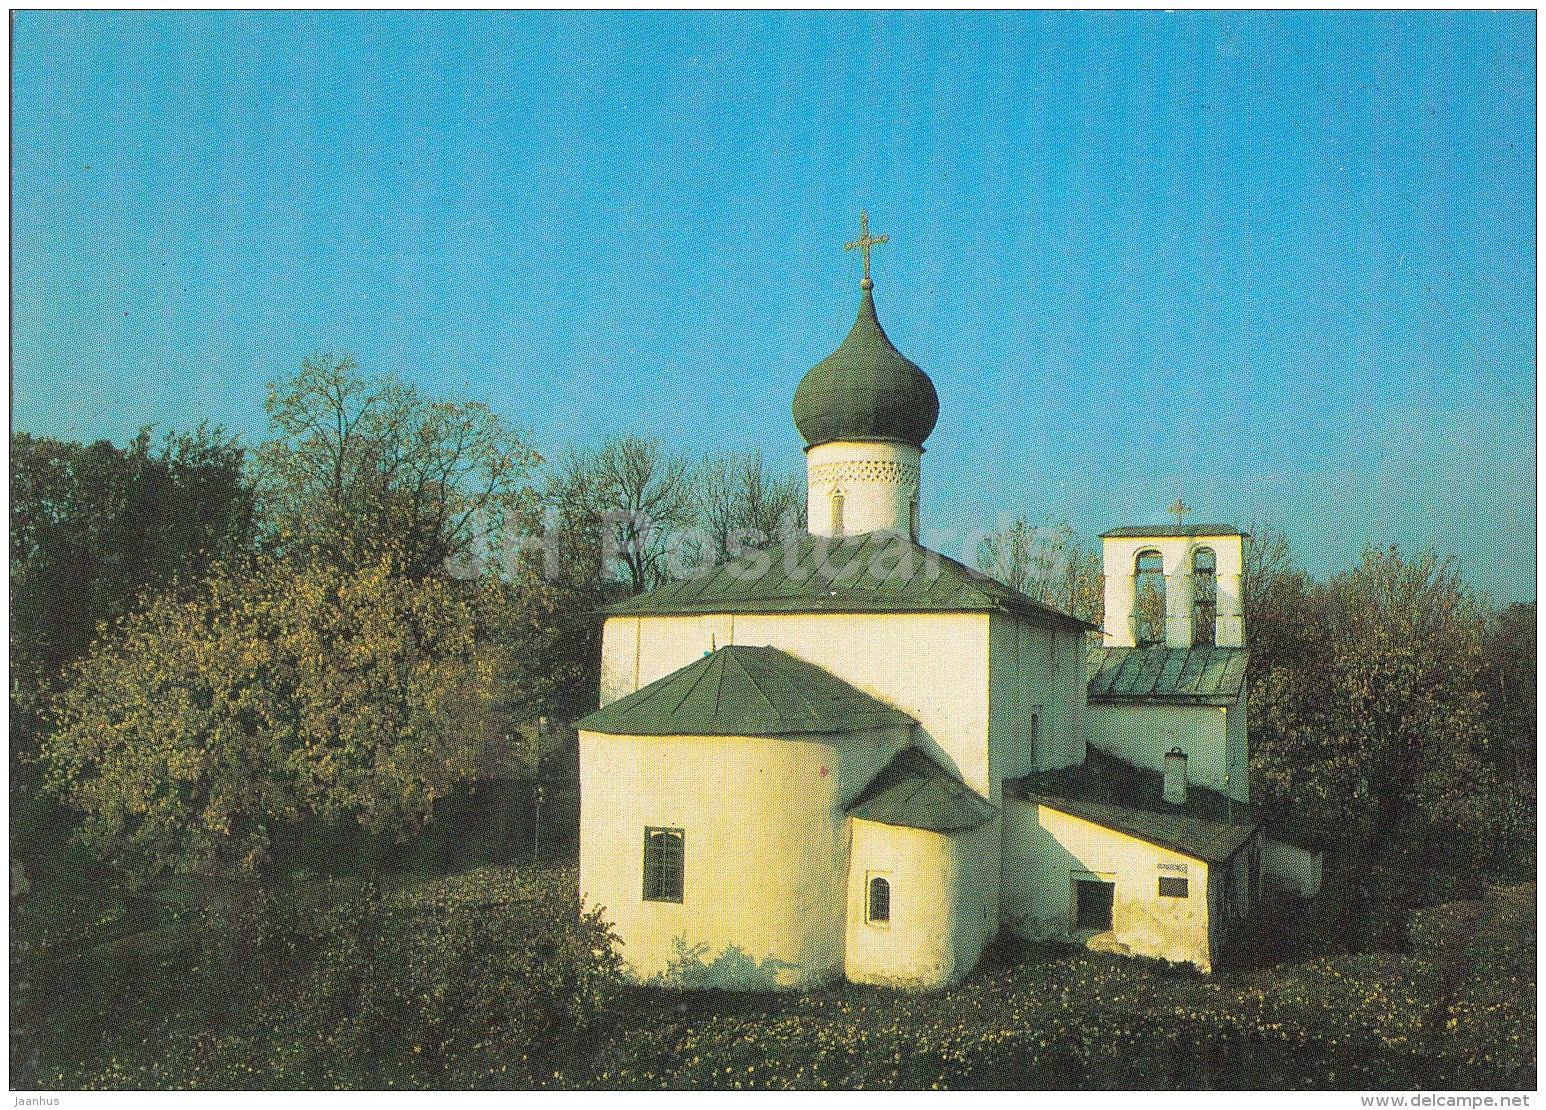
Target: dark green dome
865 390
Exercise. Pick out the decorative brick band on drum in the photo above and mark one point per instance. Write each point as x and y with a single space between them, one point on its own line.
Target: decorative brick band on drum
900 474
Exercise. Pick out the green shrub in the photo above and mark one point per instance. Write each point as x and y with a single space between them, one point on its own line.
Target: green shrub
483 979
481 976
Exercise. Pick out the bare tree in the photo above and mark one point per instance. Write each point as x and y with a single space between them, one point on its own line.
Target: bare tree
1047 563
630 498
742 505
355 468
1268 560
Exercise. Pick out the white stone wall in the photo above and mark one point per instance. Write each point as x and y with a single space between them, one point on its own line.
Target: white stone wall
1034 669
766 850
1045 850
942 915
878 481
1292 868
1212 736
635 651
933 666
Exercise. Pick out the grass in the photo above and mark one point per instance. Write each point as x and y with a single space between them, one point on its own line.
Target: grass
1449 1004
1457 1011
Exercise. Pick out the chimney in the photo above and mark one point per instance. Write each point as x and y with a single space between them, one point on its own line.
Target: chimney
1175 776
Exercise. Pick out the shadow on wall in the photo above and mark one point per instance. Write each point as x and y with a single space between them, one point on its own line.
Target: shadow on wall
732 969
1036 893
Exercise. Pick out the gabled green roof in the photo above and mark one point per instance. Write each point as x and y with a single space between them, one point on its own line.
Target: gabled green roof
1196 676
917 793
1116 795
879 572
745 691
865 390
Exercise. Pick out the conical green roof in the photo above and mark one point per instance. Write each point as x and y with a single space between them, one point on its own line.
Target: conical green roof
865 390
917 793
743 690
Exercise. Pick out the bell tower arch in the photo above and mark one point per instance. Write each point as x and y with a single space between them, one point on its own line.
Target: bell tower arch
1184 552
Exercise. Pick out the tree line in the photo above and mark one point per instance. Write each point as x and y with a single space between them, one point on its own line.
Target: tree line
240 675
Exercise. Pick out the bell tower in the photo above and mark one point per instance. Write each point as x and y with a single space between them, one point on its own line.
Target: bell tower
1186 556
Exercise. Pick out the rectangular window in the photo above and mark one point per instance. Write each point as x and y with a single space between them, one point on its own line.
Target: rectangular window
663 865
1172 887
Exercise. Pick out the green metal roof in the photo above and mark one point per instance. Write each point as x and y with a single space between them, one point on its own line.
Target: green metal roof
917 793
865 390
879 572
745 691
1158 531
1195 676
1116 795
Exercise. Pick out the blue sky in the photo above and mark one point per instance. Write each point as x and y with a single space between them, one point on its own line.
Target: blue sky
1279 264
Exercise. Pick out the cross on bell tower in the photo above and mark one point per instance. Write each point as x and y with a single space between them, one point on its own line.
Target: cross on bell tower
1180 508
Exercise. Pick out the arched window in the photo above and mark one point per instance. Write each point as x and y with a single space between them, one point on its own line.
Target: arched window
837 512
1204 596
880 900
1149 598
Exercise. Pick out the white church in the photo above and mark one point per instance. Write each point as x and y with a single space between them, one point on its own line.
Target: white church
849 756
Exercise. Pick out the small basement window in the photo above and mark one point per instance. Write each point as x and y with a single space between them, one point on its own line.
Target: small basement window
880 901
1171 886
1093 901
663 856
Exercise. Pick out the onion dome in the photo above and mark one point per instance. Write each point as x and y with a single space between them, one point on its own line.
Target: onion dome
866 389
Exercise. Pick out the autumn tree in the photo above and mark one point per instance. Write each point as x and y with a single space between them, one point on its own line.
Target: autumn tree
1047 563
1508 681
217 719
1368 697
355 469
553 625
93 528
1405 642
1297 765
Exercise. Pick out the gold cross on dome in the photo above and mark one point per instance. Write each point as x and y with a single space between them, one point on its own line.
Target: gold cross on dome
864 242
1179 508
